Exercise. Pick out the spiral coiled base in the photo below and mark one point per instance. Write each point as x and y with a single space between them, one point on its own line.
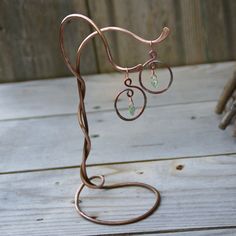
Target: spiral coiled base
120 185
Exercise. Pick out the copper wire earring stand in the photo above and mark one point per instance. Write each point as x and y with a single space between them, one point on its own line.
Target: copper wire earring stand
82 117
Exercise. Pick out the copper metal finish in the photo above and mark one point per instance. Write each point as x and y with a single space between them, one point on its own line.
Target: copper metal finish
130 93
153 64
82 117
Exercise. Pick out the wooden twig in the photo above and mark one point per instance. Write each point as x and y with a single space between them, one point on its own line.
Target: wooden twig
229 115
229 88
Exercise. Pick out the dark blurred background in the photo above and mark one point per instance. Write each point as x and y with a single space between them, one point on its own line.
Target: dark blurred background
202 31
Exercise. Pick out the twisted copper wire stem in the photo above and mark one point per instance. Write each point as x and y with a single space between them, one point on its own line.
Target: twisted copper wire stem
82 117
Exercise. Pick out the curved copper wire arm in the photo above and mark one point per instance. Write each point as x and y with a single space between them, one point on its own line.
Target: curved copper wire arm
163 36
82 117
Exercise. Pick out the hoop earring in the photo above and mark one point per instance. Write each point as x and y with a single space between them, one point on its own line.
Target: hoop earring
131 106
153 64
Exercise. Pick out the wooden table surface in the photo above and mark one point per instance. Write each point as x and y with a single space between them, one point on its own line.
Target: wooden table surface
175 146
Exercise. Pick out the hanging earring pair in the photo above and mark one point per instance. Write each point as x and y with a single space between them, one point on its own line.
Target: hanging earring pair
152 64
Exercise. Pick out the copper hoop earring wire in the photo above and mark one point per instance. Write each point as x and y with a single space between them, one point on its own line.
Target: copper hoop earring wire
82 117
128 83
170 79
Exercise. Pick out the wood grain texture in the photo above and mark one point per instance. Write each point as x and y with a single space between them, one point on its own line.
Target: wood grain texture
194 37
39 131
55 97
44 132
147 18
214 48
230 19
209 232
200 195
191 28
29 39
165 132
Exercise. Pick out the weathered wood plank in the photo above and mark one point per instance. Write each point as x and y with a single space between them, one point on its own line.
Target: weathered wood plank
145 19
192 31
209 232
162 132
52 97
200 195
194 37
216 38
230 19
29 39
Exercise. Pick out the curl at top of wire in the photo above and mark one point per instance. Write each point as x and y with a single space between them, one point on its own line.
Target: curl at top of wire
76 70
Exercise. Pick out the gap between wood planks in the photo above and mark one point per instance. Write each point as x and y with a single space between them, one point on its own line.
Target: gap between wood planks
115 163
174 231
192 84
193 194
102 111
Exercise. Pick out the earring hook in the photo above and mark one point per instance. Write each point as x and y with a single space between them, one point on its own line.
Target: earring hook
126 73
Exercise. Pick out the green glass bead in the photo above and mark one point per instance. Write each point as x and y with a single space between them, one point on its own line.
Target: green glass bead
154 81
131 109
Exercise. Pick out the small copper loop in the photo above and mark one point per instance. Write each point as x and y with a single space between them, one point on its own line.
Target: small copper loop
151 62
151 45
127 73
152 52
82 116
